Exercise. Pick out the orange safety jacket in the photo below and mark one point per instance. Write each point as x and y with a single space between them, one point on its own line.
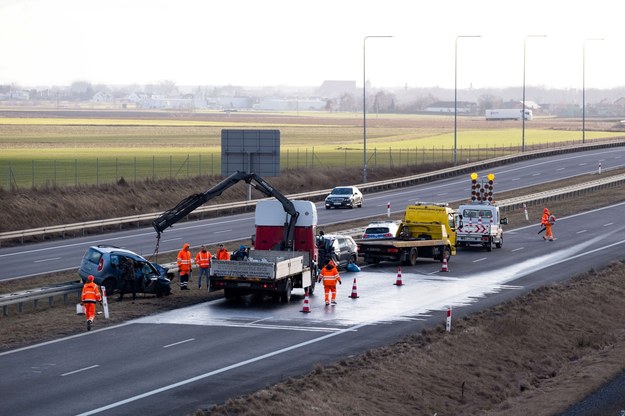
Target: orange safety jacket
184 261
223 254
203 259
330 277
548 219
90 293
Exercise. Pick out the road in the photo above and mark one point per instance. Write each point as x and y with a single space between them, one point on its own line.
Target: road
179 361
58 255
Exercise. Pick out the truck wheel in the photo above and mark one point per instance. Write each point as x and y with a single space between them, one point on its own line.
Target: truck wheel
489 244
500 243
412 260
311 288
446 254
286 295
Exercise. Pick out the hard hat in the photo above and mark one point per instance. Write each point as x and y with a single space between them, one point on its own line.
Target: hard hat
185 245
546 210
90 278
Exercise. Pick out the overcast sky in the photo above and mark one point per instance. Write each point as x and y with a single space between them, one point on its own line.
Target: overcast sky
303 43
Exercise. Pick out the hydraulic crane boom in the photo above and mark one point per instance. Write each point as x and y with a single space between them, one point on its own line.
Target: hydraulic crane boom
192 202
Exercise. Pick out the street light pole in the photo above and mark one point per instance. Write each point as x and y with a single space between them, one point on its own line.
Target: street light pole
523 102
456 93
364 102
584 89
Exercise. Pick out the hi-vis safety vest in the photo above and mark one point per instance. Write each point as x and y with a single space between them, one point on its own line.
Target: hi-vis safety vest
90 293
184 261
330 277
203 259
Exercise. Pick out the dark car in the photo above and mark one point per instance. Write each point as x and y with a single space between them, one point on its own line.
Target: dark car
344 197
340 248
104 263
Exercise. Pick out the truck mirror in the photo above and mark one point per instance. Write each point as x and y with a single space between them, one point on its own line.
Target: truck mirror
504 221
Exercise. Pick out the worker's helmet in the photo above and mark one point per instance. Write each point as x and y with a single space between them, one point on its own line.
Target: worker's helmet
90 278
546 210
185 245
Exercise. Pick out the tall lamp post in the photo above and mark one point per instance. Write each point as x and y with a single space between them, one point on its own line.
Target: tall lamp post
523 102
364 102
456 93
584 89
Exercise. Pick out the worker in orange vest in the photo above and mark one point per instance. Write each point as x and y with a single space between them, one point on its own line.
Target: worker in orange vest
330 275
223 253
184 266
90 295
203 261
547 221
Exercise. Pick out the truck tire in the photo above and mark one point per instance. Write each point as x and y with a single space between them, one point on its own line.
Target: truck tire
285 296
411 258
311 288
446 254
489 244
499 243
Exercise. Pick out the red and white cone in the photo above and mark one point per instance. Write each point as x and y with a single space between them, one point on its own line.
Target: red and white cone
398 282
306 308
444 268
354 294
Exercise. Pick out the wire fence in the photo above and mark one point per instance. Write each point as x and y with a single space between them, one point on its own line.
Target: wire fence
102 170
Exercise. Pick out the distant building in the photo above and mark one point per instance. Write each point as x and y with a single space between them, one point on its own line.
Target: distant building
464 107
336 89
279 104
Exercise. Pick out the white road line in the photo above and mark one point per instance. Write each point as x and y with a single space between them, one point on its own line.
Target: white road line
80 370
515 179
581 231
517 249
178 343
442 193
535 174
608 224
220 370
478 260
50 259
560 169
171 239
582 164
259 320
224 231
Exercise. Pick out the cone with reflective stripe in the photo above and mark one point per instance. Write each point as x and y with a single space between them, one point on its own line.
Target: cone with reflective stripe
306 308
444 268
354 294
398 282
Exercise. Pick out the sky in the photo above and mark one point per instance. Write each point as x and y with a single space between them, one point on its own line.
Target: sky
303 43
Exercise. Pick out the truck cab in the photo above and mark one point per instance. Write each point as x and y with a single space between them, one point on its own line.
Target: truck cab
480 224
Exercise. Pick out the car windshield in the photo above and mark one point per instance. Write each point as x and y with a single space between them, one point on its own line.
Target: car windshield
342 191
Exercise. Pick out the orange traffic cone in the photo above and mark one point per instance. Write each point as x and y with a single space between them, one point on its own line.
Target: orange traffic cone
398 282
354 294
306 308
444 268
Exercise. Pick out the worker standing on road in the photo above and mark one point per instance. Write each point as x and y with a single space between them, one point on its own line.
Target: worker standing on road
203 261
184 266
330 275
223 253
547 221
90 295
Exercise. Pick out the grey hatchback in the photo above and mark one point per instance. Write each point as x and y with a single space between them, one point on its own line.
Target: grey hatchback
103 262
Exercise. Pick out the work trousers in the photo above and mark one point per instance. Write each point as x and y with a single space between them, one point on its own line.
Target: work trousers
329 289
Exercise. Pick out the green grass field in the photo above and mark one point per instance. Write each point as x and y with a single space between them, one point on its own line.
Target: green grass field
44 151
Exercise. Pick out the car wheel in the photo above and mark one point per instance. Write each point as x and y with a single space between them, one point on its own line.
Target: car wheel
110 284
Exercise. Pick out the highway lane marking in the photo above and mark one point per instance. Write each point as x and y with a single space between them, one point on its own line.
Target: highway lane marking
258 320
178 343
560 168
80 370
171 239
220 370
608 224
223 231
515 179
535 174
517 249
50 259
478 260
581 231
582 164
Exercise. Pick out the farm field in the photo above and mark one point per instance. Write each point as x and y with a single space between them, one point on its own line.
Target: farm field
70 148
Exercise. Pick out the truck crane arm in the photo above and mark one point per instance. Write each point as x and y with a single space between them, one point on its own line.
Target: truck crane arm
192 202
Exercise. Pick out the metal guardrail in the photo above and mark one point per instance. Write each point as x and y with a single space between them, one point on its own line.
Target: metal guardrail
34 295
316 195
